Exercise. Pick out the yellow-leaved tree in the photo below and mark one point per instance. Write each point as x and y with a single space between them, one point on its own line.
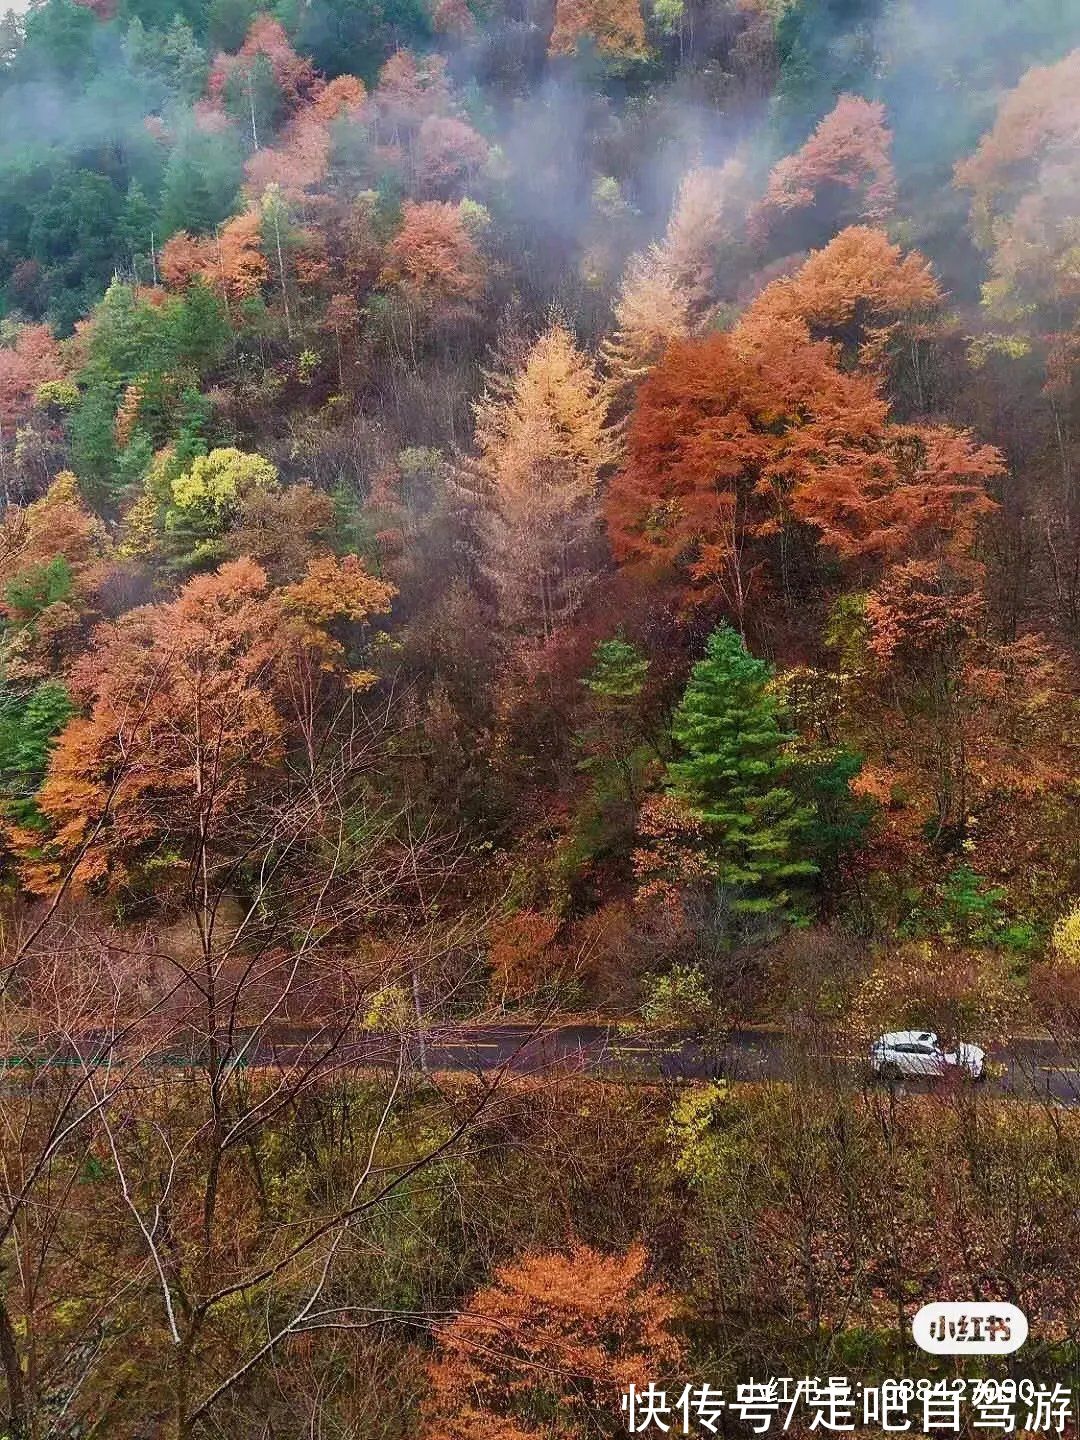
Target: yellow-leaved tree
615 27
668 287
543 443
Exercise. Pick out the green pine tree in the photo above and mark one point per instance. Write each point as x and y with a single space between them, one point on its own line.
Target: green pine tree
201 182
618 671
199 329
136 228
29 725
729 728
616 756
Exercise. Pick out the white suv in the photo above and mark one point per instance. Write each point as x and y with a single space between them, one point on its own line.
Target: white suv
919 1054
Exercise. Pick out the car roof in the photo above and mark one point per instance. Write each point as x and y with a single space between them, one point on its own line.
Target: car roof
907 1037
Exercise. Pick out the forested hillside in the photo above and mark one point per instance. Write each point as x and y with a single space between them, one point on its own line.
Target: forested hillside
519 509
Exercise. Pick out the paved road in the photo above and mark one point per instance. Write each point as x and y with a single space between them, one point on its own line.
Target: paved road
1028 1067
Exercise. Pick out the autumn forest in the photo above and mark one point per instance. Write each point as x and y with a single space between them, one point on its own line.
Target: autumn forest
520 514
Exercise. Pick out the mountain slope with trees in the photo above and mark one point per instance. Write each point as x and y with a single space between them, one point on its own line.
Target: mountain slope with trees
518 508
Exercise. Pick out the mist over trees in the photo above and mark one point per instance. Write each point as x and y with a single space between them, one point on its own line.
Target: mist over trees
515 510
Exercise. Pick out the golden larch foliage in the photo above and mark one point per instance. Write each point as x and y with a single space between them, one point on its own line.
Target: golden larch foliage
860 285
127 412
701 221
543 443
669 286
652 310
557 1335
433 255
60 523
859 269
616 27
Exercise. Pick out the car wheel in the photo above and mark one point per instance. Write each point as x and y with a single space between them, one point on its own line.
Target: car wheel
890 1072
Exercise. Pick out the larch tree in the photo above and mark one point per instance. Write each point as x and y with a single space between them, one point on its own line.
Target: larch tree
447 156
298 164
265 77
547 1348
667 288
703 219
409 90
190 707
433 257
615 27
850 152
231 261
542 446
55 560
736 438
651 310
452 17
859 290
31 360
300 160
968 723
1021 161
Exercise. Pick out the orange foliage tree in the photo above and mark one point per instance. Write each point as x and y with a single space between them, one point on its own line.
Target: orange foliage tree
1024 180
548 1348
860 290
301 159
849 151
452 17
408 91
298 164
961 729
433 256
231 262
55 557
736 437
522 953
344 97
190 707
616 27
31 360
266 40
448 154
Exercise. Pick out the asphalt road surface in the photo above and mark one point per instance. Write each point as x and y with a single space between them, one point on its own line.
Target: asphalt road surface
1031 1068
